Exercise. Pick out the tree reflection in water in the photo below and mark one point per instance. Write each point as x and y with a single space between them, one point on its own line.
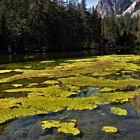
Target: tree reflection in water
136 104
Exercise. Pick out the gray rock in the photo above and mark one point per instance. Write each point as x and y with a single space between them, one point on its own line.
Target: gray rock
112 7
133 10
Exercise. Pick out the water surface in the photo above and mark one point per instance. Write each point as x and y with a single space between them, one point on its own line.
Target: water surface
89 122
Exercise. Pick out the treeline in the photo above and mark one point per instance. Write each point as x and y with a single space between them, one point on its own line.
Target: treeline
121 34
57 25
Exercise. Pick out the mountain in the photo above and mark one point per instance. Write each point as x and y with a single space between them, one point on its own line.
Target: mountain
110 7
133 10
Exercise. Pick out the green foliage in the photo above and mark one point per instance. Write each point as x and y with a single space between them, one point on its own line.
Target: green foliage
28 25
120 33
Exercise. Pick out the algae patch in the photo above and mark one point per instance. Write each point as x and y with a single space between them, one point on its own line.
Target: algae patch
118 111
17 85
109 129
27 67
64 127
107 89
5 71
49 90
47 61
51 82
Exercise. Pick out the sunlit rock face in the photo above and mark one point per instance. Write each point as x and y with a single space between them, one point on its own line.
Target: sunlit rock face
133 10
110 7
136 104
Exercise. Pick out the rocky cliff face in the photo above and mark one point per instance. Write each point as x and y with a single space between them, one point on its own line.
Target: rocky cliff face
133 10
110 7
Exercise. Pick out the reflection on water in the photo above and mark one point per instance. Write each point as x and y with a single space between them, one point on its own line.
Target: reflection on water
136 104
89 122
42 56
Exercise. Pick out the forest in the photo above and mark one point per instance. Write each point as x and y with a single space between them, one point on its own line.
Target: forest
52 25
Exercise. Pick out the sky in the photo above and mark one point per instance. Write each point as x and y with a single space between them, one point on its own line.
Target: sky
90 3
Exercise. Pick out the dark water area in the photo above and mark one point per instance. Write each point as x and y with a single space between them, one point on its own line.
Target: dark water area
51 55
90 123
10 58
14 95
88 92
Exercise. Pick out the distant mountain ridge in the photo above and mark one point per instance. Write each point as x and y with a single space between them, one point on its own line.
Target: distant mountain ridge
118 7
133 10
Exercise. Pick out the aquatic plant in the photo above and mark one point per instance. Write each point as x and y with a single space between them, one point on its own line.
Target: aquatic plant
5 71
106 89
118 111
64 127
17 85
48 90
51 82
27 67
89 81
47 61
51 91
19 70
32 84
109 129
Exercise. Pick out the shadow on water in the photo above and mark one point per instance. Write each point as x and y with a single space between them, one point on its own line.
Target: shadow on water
51 55
90 124
122 74
14 95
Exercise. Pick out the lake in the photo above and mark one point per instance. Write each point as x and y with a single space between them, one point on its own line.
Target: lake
90 97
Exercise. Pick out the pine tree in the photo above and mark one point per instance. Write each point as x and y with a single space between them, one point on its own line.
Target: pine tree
83 5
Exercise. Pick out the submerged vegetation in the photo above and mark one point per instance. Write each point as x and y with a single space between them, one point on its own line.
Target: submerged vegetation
51 89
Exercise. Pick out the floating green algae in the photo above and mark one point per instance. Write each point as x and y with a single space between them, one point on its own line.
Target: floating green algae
106 89
118 111
19 70
32 84
51 82
39 104
110 129
89 81
17 85
27 67
51 91
64 127
47 61
9 74
5 71
48 90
